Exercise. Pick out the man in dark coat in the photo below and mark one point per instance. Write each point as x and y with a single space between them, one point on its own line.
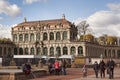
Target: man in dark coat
96 68
102 68
110 66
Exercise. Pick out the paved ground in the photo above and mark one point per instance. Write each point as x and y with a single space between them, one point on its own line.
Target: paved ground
76 74
92 77
72 73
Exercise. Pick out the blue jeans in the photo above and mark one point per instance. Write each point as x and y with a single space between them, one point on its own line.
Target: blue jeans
64 70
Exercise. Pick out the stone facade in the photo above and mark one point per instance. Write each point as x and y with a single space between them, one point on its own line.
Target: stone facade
56 38
6 49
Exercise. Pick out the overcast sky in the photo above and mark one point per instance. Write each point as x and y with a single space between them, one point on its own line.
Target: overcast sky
102 15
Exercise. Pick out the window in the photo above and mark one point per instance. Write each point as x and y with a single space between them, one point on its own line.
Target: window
45 37
38 37
72 50
51 51
58 37
15 51
51 36
58 51
31 37
45 51
38 51
26 50
20 37
32 51
80 50
118 53
65 51
0 51
20 51
15 37
64 35
26 37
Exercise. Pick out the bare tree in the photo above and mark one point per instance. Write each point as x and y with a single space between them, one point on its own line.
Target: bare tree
82 27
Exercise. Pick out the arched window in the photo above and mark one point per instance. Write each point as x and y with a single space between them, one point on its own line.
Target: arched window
45 37
109 53
51 51
20 51
4 51
0 51
31 37
26 37
45 51
72 50
9 51
65 51
20 37
118 53
15 51
32 51
26 50
113 53
58 37
38 37
65 35
15 37
51 36
105 53
80 50
38 51
58 51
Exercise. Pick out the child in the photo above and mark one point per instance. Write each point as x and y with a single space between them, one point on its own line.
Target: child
84 70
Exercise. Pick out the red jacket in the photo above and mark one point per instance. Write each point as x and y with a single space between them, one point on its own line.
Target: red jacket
56 65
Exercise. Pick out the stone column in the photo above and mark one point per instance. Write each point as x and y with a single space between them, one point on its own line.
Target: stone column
76 51
54 35
61 35
48 51
68 50
41 37
29 37
68 35
48 34
84 50
34 36
18 51
61 50
17 37
23 37
55 50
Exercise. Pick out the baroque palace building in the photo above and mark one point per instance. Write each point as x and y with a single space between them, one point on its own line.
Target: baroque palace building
56 37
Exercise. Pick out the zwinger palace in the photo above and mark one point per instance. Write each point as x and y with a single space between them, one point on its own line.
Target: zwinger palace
56 37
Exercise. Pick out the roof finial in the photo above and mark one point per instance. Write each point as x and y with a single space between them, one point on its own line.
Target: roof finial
63 16
25 20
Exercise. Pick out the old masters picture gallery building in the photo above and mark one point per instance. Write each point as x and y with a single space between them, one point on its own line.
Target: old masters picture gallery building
56 37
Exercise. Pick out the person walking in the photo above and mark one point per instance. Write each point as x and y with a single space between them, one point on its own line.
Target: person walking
110 66
102 68
56 66
96 68
64 64
84 70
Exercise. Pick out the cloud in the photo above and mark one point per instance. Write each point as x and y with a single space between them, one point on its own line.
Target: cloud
1 18
5 31
33 1
106 22
9 9
114 7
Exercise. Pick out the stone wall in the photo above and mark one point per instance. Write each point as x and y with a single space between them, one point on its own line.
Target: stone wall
22 76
